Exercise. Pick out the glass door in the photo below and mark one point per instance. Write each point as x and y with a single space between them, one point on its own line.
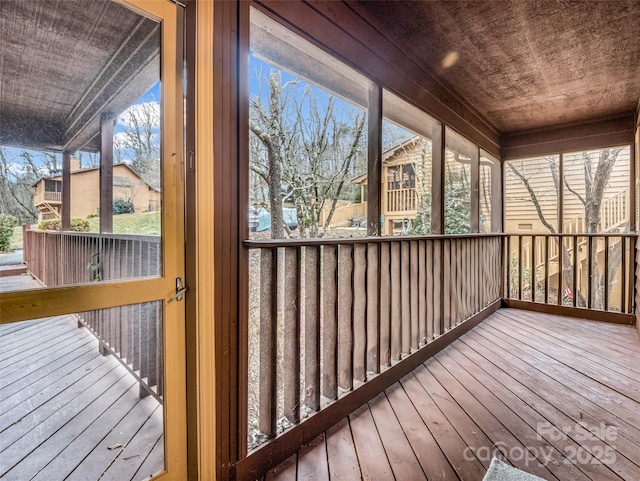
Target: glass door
92 341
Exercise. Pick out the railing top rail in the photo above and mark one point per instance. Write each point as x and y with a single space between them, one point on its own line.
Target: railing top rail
133 237
576 234
273 243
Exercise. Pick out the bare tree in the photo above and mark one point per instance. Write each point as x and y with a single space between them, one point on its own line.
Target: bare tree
303 148
139 139
19 170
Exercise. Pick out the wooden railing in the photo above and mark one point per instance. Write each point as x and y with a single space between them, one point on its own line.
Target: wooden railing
330 315
344 216
594 272
46 196
133 333
614 211
401 200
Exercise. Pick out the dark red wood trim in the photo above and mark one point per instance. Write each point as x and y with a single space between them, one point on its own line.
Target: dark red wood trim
269 243
66 192
577 312
106 172
288 443
608 132
228 261
374 166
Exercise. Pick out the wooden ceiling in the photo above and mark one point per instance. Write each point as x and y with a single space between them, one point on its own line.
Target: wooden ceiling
523 64
64 64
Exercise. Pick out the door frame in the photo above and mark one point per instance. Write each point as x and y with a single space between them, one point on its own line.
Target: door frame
46 302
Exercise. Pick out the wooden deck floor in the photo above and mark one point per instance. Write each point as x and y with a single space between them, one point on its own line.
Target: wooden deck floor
556 397
69 413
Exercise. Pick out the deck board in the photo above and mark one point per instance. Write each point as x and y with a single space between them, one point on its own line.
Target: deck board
62 404
533 385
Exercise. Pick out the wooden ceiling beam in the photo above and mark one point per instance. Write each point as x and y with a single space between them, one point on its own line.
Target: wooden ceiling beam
598 133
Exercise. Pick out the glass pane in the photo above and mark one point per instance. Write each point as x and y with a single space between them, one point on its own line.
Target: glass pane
490 174
457 183
407 135
596 191
97 111
308 138
531 195
81 396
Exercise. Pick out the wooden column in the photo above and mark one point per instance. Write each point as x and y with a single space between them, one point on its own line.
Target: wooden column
106 172
374 165
437 185
66 191
497 189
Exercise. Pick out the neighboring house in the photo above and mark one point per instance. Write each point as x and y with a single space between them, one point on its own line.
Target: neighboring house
406 175
85 192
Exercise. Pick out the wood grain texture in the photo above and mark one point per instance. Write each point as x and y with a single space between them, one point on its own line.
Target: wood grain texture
506 383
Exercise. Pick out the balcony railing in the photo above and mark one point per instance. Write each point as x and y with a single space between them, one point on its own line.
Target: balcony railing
401 200
46 196
131 333
328 316
588 271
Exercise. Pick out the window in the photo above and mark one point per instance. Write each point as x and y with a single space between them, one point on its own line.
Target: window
406 167
308 137
531 194
459 156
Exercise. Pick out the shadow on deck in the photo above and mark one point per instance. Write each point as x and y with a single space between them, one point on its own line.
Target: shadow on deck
70 413
553 396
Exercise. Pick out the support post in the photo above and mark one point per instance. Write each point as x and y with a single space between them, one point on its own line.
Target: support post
437 187
374 165
66 192
475 190
106 172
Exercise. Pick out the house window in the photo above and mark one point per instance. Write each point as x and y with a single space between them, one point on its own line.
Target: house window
52 185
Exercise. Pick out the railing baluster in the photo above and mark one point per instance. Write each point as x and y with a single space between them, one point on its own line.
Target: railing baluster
268 333
345 318
291 337
520 260
560 244
405 293
385 305
413 282
359 312
373 309
421 267
534 267
606 274
546 269
575 271
396 309
446 285
329 321
589 284
430 301
623 277
312 327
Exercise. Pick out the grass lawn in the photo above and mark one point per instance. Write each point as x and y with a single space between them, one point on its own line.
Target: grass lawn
16 237
147 223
